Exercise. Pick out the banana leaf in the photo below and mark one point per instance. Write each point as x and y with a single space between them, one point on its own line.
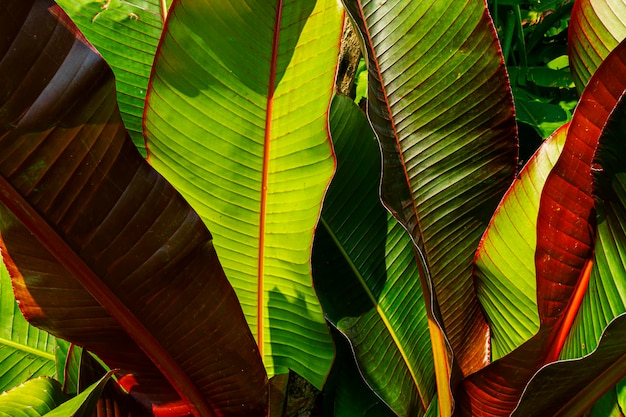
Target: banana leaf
566 224
25 351
236 120
102 251
126 34
366 275
596 27
440 104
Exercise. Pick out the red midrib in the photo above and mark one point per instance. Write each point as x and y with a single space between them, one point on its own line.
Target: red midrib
266 162
91 282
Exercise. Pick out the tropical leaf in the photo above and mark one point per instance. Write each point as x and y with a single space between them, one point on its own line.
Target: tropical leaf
566 225
25 351
596 28
84 404
442 110
581 381
505 261
126 33
370 289
101 249
345 393
33 398
236 120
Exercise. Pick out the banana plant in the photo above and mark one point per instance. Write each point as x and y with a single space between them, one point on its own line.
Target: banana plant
440 279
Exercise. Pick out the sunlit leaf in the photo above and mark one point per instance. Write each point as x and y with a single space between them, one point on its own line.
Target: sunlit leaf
236 121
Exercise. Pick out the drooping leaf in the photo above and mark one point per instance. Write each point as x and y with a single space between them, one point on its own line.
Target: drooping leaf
505 261
32 399
596 28
370 289
564 251
25 351
440 105
569 388
101 249
236 120
126 33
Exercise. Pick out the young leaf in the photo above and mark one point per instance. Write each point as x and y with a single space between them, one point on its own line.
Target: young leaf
102 250
441 107
236 120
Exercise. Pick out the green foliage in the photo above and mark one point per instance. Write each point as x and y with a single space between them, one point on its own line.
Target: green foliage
444 280
533 35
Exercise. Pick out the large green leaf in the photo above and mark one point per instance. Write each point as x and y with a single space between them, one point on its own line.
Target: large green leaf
126 33
440 105
505 261
373 286
25 351
236 120
102 250
596 28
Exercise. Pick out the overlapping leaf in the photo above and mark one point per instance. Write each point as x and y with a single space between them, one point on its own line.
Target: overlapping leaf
505 261
569 388
236 120
596 28
373 286
126 33
101 249
25 351
440 105
564 251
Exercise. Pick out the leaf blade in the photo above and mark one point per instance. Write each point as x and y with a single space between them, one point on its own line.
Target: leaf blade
250 150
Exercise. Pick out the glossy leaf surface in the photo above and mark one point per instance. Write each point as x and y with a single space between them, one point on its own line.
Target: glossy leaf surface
596 28
25 351
101 249
440 105
565 240
505 261
126 33
236 120
370 289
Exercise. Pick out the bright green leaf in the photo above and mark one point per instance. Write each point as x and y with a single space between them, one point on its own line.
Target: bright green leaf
236 121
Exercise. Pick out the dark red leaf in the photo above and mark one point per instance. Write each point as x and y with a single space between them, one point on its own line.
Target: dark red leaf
102 250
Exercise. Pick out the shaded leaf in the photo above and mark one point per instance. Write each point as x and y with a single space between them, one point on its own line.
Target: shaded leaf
84 404
101 249
34 398
345 393
236 120
366 274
